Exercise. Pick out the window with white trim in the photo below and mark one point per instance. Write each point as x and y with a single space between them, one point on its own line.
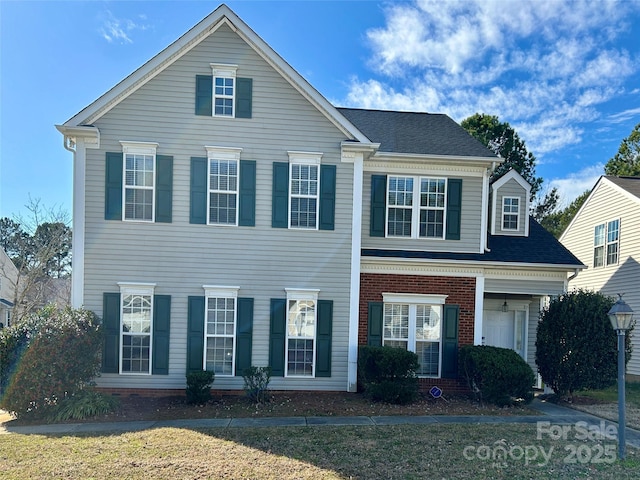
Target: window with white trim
223 181
414 322
136 327
304 186
510 213
220 329
301 332
416 207
139 180
606 243
224 89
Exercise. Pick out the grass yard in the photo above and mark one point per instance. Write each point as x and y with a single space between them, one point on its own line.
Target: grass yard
380 452
609 395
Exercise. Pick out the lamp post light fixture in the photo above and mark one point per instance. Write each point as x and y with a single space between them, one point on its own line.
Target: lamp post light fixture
621 317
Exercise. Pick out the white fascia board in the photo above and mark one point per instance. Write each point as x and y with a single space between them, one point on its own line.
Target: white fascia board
89 134
469 263
223 15
584 206
622 191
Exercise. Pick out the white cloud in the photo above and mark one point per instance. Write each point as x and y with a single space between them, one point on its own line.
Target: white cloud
545 67
120 30
577 183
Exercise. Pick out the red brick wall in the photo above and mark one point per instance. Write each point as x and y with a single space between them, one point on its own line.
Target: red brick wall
460 290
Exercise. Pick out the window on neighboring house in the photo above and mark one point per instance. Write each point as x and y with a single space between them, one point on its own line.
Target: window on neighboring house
301 332
416 212
139 180
510 213
136 328
414 322
220 329
223 185
304 183
224 77
606 243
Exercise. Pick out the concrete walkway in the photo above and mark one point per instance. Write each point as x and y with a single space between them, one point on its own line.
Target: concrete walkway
550 413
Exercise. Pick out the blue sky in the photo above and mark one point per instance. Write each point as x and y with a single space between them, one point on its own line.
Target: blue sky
565 75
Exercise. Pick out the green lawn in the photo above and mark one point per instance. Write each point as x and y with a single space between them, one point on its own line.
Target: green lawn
380 452
632 394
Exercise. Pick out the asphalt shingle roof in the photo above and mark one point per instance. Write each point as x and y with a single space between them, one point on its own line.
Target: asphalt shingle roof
540 247
415 133
630 184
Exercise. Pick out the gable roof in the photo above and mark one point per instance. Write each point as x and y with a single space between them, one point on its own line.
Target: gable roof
220 16
416 133
539 248
630 184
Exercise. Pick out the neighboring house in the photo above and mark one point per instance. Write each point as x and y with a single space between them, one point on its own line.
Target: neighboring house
8 280
227 215
605 236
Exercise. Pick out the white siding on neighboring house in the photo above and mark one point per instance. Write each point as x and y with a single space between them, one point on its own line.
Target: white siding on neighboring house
606 203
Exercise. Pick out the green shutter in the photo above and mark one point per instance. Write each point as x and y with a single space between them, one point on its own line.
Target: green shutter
280 197
161 330
450 341
244 335
454 208
327 197
164 188
277 336
113 186
378 205
374 324
323 338
195 334
111 325
204 95
244 93
247 194
198 197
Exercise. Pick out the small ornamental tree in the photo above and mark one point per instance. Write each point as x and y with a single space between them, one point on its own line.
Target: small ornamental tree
576 346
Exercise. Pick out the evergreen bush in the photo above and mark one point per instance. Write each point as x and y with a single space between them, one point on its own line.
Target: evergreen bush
199 386
50 356
497 375
388 374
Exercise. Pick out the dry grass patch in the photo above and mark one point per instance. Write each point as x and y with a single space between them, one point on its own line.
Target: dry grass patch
390 452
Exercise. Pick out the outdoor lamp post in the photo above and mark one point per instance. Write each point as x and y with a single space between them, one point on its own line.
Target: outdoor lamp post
621 317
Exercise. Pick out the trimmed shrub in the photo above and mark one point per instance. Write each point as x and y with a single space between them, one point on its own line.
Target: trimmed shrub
84 404
199 386
497 375
256 383
388 374
47 358
576 346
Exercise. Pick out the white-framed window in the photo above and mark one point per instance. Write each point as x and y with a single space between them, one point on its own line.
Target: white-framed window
510 213
304 188
220 329
136 327
139 179
301 332
223 180
606 243
416 207
414 322
224 89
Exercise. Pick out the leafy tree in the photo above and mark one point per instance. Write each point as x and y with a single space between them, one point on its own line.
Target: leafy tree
558 221
627 161
40 248
576 347
502 139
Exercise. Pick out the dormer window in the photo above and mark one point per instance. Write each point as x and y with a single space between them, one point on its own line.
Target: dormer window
510 213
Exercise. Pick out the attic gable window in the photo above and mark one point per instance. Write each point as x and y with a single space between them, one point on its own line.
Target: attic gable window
606 238
224 77
510 213
223 94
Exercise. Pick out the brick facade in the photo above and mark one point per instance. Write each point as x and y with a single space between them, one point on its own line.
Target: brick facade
460 290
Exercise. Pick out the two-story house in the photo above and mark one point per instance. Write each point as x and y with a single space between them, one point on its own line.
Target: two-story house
227 215
8 284
604 235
